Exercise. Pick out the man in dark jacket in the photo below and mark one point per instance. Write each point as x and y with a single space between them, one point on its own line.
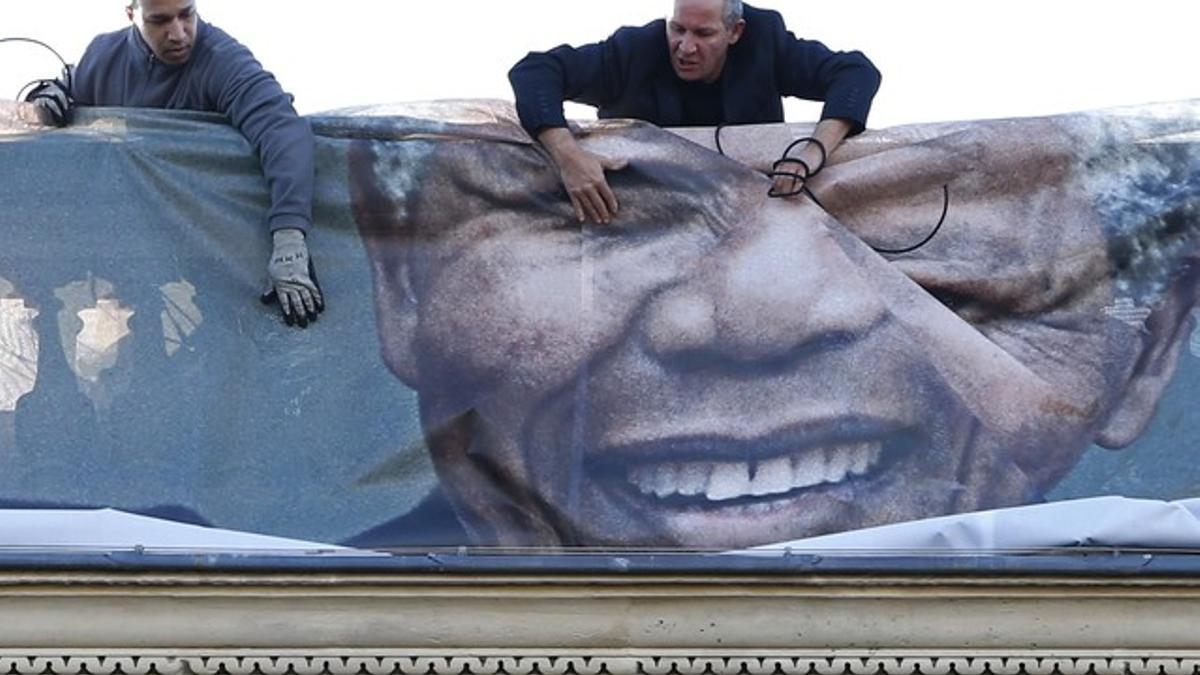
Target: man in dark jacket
169 58
712 62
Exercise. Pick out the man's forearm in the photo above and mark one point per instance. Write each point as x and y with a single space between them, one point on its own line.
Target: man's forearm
560 143
830 132
789 178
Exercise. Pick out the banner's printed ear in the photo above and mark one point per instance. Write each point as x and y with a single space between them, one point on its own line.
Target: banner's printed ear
379 211
1167 330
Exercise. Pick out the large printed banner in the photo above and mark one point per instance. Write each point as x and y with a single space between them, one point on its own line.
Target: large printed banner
714 369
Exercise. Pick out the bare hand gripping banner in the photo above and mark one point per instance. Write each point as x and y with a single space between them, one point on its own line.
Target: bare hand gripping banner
716 369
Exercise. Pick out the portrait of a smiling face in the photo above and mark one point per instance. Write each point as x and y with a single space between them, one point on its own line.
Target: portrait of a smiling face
719 369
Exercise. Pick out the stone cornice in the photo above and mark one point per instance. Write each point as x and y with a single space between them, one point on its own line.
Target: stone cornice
77 622
381 662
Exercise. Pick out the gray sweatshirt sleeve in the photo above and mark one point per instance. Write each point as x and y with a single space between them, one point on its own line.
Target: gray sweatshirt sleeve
257 105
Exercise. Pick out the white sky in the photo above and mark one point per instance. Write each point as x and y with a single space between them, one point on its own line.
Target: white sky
941 59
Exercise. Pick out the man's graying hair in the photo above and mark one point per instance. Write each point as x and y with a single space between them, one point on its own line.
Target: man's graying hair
733 12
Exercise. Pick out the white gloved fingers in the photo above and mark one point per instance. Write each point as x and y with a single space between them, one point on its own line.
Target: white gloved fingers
310 303
297 304
286 303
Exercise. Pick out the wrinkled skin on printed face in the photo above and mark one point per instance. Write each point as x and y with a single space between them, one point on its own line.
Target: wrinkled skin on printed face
718 369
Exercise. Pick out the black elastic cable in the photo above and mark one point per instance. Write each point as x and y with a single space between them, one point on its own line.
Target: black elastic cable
776 172
32 84
36 42
909 249
66 66
813 140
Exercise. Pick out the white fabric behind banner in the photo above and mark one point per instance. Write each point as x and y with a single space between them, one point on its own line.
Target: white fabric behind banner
111 530
1117 522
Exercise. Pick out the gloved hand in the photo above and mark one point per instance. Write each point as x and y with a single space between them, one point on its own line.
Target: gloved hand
293 280
53 99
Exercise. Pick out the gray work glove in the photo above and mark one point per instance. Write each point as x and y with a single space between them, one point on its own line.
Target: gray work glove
53 99
293 279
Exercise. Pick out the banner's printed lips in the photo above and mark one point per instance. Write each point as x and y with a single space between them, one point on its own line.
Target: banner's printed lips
725 481
714 471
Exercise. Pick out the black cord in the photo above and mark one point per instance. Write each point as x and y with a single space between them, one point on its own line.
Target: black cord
777 172
909 249
34 83
814 141
25 89
36 42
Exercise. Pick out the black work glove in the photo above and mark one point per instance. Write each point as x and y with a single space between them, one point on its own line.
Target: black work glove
293 280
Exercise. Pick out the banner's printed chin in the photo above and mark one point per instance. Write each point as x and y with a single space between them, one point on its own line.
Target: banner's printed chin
714 369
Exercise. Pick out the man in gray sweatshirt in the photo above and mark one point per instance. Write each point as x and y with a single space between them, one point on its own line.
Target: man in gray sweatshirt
169 58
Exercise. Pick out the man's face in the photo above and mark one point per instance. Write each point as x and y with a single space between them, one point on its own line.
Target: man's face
167 26
699 39
699 379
